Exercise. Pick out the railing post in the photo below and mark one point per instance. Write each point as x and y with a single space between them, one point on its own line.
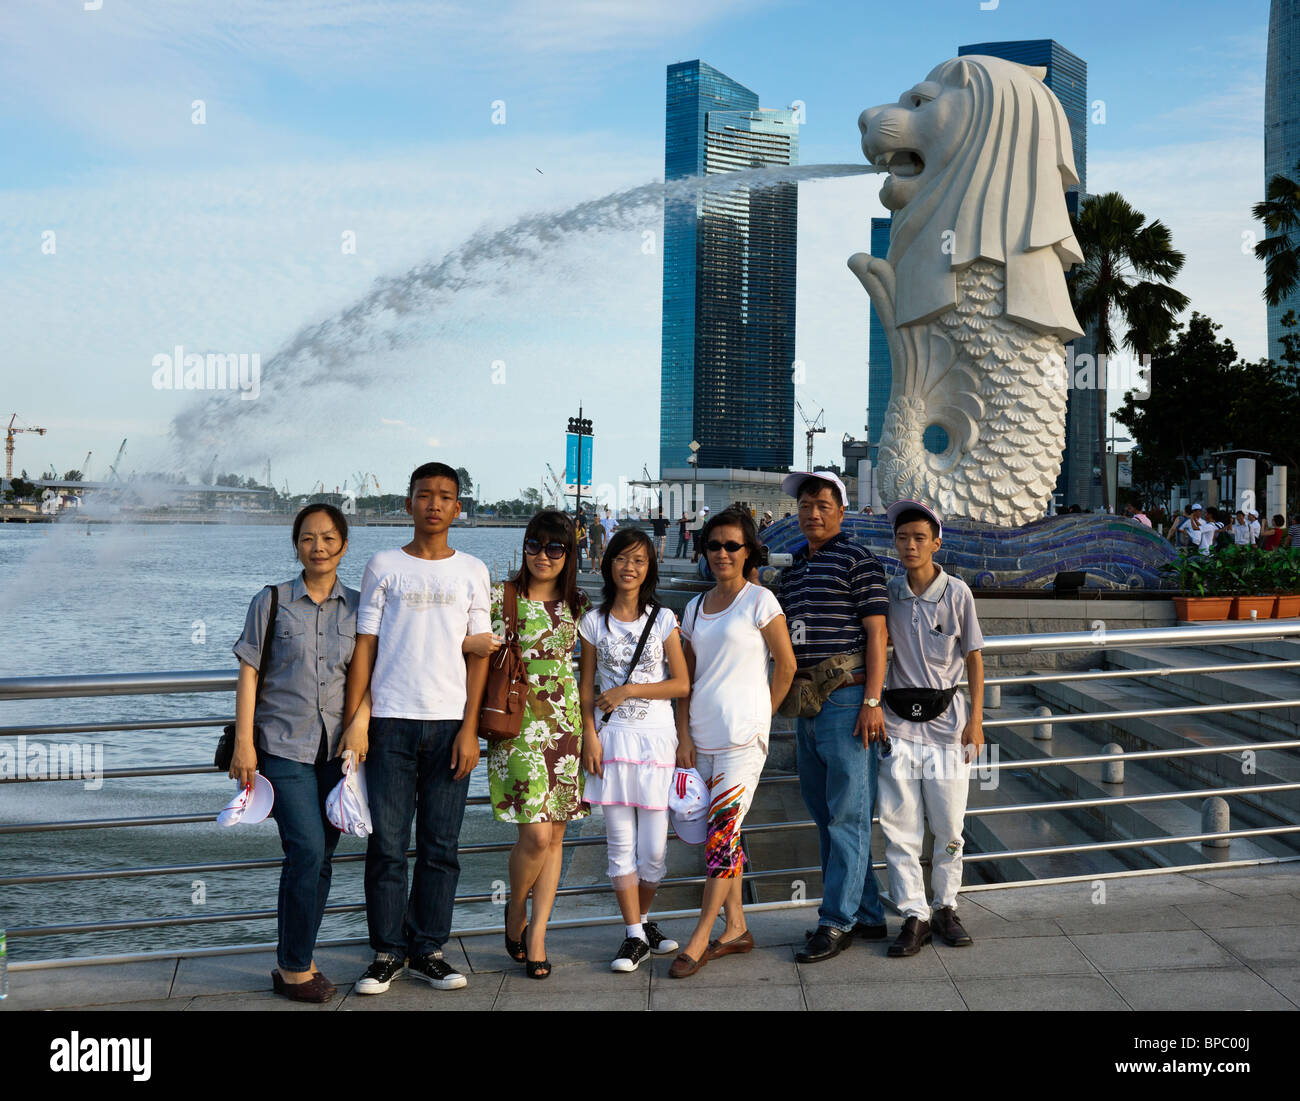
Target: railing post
1043 731
993 696
1112 772
1215 818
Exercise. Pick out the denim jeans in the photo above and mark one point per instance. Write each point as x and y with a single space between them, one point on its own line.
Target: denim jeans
837 778
409 775
308 840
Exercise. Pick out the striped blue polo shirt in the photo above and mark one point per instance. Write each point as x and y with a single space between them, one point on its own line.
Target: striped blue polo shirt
826 597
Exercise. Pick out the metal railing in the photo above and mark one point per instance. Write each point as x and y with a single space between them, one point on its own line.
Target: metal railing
205 681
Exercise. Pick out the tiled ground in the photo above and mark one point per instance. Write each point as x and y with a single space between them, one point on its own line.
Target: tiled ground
1221 940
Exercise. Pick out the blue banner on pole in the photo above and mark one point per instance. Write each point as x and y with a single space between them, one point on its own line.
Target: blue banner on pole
571 463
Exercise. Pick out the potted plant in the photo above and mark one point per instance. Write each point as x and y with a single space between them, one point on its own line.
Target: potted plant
1285 569
1246 575
1198 576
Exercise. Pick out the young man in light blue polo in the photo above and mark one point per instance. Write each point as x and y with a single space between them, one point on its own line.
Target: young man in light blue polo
934 731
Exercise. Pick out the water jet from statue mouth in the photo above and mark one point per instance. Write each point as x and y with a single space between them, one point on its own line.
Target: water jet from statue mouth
903 163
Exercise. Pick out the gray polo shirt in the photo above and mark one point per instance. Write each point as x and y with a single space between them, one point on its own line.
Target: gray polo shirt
309 664
932 635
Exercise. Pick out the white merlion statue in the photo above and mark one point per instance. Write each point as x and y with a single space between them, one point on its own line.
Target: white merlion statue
972 295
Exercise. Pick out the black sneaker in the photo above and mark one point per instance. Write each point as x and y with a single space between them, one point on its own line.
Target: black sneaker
437 972
659 944
380 974
630 954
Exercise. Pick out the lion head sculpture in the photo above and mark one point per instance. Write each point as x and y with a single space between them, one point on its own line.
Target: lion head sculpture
979 157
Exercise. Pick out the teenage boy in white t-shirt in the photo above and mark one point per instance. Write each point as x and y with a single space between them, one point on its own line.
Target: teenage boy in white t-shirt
934 731
418 603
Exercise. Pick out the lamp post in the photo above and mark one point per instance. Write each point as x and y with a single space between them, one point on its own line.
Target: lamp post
580 427
694 460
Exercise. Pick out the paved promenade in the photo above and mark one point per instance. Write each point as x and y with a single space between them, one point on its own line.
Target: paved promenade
1222 940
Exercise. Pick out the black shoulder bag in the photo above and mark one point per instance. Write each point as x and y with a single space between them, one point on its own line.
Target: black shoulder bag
640 646
226 743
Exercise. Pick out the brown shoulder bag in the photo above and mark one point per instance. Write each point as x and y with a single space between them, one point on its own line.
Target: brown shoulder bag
502 715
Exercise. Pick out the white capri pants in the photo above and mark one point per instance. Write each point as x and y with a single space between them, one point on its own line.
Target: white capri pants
636 841
920 782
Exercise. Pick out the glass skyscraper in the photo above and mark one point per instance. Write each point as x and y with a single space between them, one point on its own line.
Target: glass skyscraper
1067 77
1282 125
729 279
880 369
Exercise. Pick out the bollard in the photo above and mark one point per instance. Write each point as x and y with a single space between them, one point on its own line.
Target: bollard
1112 772
1215 819
1043 731
992 695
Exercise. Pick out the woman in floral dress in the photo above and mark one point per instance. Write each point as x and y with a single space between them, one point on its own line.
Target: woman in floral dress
536 779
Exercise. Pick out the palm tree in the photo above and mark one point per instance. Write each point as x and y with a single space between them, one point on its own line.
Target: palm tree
1280 251
1128 264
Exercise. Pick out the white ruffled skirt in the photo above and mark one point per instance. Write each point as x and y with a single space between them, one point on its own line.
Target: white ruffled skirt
638 764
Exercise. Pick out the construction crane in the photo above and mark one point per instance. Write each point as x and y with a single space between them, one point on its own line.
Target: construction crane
559 487
85 467
9 443
113 475
812 428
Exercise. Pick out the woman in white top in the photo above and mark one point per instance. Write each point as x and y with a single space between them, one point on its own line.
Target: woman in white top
730 632
630 761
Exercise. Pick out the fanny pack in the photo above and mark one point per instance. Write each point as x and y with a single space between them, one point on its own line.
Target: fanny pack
918 705
811 688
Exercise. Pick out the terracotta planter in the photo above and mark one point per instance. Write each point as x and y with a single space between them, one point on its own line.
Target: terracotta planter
1262 606
1196 609
1288 606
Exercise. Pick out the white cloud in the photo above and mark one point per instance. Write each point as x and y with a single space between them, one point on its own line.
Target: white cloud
1203 191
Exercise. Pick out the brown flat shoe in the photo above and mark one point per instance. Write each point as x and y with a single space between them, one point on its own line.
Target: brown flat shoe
735 947
683 967
317 989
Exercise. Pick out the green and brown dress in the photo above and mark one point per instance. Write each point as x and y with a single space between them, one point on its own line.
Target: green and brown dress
538 777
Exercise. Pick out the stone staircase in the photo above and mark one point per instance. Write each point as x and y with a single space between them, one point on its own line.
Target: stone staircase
1157 690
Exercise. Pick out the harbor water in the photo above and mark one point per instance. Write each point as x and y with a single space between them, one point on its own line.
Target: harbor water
124 598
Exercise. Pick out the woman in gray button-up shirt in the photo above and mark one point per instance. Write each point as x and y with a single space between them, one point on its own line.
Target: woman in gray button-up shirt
292 731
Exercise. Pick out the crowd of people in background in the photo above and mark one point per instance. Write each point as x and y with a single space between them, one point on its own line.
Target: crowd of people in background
1204 529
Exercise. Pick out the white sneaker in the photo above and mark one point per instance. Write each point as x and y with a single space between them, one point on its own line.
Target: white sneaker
659 944
436 971
379 975
630 954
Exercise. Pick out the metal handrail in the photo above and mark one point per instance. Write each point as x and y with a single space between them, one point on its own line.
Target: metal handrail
580 842
223 680
1030 679
608 888
202 681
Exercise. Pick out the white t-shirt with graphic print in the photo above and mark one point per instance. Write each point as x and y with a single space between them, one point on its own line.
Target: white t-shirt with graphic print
614 644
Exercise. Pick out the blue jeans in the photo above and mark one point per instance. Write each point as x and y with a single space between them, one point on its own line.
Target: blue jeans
409 775
308 840
837 778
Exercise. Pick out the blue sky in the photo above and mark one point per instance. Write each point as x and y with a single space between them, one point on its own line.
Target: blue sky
330 117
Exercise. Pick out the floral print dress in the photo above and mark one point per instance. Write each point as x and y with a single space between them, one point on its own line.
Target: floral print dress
538 777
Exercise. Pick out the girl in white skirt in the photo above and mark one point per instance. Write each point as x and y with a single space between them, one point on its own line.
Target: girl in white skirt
629 735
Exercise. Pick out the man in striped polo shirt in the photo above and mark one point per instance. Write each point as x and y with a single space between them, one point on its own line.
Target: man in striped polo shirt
835 601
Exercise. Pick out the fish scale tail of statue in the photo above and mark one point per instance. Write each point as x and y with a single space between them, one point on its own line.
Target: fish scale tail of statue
972 295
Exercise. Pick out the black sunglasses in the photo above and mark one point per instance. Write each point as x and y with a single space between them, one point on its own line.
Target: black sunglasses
730 546
553 549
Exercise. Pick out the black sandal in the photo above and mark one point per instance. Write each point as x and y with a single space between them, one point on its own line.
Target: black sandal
515 948
536 969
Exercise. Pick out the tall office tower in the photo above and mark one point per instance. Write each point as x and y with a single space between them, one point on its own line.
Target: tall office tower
1067 77
1282 125
880 370
729 275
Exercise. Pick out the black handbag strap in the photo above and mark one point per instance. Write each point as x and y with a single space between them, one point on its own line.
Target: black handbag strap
640 646
268 637
645 635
